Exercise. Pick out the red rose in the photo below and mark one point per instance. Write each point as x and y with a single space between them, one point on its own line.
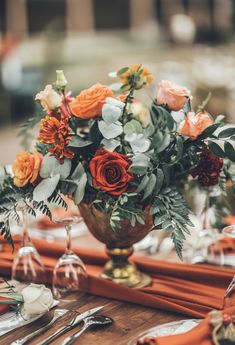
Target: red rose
208 170
110 171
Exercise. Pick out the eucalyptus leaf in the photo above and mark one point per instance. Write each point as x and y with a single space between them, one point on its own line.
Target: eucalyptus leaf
150 186
79 142
143 184
45 188
78 172
165 142
51 166
133 126
111 113
80 191
115 102
110 144
110 131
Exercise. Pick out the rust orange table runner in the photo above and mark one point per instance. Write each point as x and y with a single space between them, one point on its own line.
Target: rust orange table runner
192 290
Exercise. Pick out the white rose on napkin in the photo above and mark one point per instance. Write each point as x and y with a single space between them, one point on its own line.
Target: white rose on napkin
37 299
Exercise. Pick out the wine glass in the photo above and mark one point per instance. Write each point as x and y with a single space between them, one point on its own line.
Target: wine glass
229 232
27 265
69 274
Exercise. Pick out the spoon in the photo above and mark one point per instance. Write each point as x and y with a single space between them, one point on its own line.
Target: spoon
88 321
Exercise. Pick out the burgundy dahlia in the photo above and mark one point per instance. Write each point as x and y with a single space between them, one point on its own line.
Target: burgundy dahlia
208 170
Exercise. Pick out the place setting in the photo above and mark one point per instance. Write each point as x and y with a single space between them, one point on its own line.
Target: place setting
105 162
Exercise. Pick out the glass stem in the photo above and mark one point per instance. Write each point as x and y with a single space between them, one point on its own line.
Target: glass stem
68 240
26 241
206 220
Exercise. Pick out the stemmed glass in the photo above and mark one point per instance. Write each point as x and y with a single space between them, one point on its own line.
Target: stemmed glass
27 265
69 274
229 232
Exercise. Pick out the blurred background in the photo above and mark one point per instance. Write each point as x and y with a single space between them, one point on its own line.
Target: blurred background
191 42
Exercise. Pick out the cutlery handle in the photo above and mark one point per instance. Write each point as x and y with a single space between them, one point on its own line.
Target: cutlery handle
30 336
70 340
55 335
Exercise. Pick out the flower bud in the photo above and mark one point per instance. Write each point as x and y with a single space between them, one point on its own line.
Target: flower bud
61 81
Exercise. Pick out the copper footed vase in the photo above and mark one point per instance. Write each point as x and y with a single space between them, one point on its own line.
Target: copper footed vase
119 246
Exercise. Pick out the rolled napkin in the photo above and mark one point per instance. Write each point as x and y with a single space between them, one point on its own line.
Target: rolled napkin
217 326
192 290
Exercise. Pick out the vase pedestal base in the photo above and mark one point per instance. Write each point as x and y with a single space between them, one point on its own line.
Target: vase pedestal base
119 270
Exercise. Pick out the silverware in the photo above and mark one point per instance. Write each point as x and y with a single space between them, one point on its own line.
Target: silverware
57 314
88 321
75 321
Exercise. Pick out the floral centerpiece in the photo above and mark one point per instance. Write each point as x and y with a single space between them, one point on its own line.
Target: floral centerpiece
117 158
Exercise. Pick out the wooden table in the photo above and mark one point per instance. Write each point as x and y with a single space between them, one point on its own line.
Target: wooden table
129 321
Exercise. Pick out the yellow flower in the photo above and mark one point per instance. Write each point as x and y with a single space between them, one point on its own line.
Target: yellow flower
144 78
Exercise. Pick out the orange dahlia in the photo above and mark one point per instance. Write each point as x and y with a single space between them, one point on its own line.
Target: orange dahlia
56 133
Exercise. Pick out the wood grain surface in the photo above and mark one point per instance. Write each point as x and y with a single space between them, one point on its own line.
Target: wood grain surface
129 320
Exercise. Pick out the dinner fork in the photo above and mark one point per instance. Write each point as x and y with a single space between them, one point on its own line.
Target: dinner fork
57 314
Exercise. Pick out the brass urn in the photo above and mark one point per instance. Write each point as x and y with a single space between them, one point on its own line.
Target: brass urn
119 245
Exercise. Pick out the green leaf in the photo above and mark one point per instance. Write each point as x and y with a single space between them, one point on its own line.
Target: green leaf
78 172
122 70
51 167
216 149
165 142
79 142
140 220
228 132
80 191
209 131
229 150
150 186
45 188
159 181
133 126
143 184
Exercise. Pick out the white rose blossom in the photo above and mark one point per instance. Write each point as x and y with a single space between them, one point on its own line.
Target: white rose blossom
37 299
49 98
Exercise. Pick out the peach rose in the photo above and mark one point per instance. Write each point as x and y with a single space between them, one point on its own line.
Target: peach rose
89 103
172 95
195 124
26 168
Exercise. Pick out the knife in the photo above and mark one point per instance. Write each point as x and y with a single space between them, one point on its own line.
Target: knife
74 322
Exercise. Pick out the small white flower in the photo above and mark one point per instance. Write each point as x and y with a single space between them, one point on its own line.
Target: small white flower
37 299
49 98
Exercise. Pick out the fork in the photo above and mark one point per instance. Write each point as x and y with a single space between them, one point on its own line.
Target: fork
57 314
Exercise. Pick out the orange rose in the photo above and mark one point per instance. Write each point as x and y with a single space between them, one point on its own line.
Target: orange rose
195 124
89 103
26 168
172 95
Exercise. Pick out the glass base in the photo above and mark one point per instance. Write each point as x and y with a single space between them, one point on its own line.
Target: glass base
27 266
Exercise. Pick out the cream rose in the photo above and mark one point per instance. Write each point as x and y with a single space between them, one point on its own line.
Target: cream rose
141 113
37 299
172 95
49 98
